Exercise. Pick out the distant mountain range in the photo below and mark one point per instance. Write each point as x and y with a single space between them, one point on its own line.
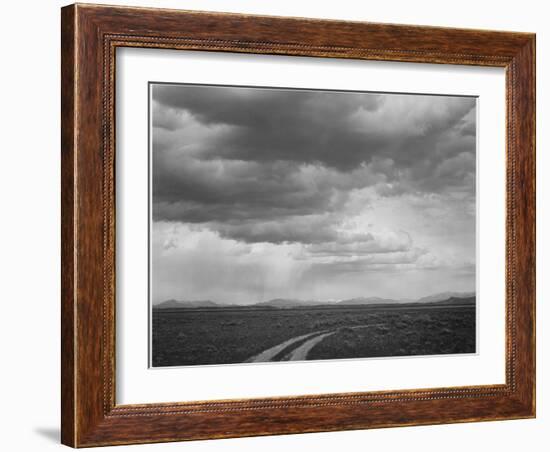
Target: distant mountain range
285 303
288 303
445 296
174 304
371 300
455 300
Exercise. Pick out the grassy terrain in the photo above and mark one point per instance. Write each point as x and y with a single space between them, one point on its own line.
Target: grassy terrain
232 335
404 333
223 336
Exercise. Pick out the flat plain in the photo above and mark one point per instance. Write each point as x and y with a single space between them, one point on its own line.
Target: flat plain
232 335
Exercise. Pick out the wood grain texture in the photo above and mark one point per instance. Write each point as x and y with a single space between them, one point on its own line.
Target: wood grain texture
90 36
68 244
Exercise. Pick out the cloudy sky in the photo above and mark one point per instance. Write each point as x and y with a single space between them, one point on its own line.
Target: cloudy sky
266 193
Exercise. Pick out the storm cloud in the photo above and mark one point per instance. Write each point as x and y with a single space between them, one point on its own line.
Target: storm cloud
351 182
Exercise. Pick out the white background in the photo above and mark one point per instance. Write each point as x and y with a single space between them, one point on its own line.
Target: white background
29 391
138 384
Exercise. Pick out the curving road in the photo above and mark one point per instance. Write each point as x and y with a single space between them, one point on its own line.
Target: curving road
300 353
270 353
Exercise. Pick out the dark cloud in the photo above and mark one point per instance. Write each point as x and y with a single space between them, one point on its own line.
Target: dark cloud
338 129
261 108
203 190
270 165
300 228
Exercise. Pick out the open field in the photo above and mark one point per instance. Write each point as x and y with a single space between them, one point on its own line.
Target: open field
239 334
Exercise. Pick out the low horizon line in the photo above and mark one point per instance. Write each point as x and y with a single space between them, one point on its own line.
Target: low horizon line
469 292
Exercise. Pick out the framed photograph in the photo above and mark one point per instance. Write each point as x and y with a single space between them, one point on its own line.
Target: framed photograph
281 225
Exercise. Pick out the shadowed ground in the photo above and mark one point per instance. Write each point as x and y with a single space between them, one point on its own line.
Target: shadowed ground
238 335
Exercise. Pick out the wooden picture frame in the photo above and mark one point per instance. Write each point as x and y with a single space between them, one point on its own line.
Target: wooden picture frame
90 35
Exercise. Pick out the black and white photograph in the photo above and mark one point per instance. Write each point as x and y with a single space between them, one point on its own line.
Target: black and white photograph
298 224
